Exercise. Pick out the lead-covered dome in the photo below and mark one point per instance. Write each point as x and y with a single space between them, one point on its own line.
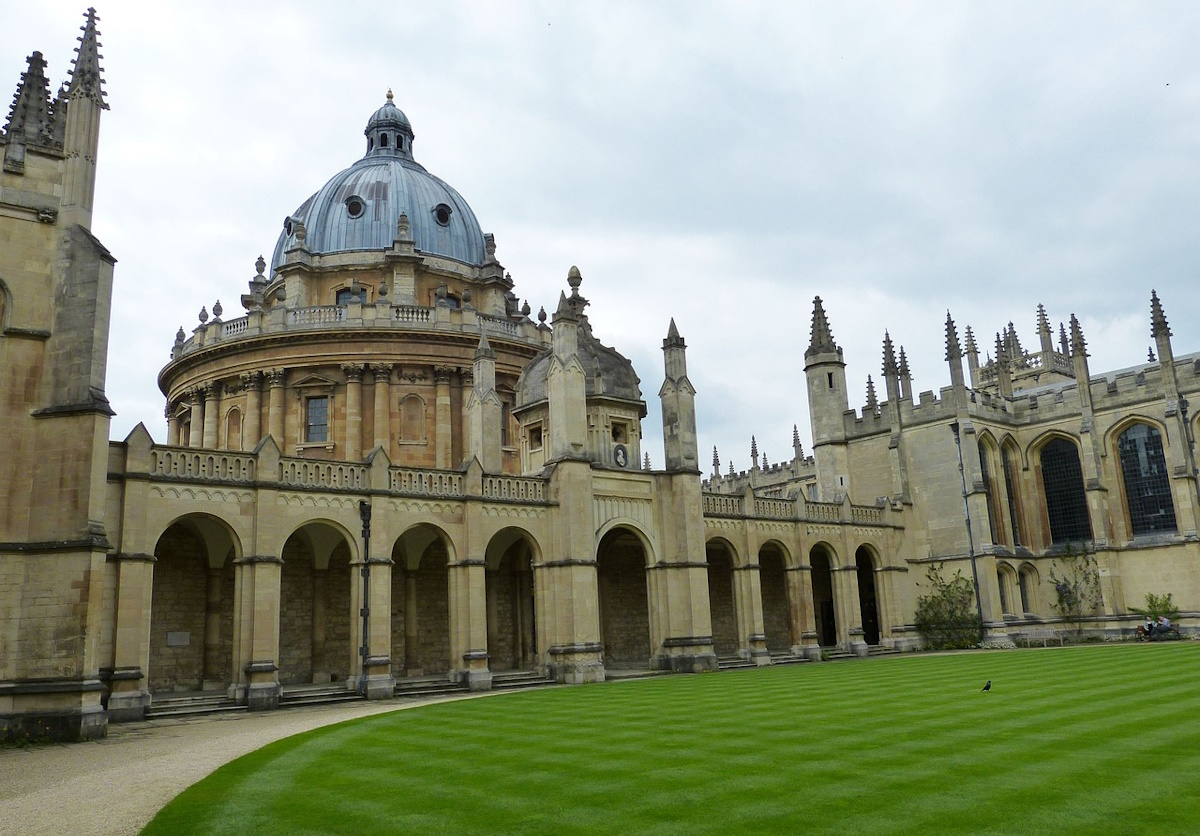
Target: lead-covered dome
358 209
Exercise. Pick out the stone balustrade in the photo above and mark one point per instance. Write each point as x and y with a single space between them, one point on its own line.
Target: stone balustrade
374 316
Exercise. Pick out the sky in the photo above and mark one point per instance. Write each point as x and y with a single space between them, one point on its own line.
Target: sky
719 163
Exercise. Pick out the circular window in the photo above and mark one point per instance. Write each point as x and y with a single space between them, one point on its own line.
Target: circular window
355 207
287 226
441 213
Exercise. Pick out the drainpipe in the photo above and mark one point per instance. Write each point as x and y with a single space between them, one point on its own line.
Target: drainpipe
962 473
364 512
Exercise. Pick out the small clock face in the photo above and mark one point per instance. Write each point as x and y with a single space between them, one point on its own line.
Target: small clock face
621 456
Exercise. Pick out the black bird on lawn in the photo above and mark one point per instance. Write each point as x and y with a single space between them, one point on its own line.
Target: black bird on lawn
987 687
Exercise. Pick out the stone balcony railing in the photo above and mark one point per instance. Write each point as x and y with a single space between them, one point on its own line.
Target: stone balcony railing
377 316
749 506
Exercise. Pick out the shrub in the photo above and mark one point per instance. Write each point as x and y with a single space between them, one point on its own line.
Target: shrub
1157 605
946 616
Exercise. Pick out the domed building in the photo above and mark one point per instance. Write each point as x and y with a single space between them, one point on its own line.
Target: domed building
361 334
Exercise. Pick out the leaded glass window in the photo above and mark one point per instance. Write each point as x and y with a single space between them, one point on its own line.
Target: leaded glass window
1066 502
316 419
1147 486
1010 490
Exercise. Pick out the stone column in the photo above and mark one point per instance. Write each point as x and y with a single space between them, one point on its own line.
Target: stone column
256 632
129 696
848 612
196 424
212 414
752 635
801 616
383 412
252 431
320 664
468 624
214 677
412 651
354 432
443 438
275 380
172 426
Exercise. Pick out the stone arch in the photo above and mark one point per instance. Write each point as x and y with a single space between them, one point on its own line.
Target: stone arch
1008 584
822 560
192 605
722 557
420 616
1138 445
5 305
1060 466
232 427
413 418
780 619
990 472
1012 463
633 529
1029 587
316 605
511 612
622 556
867 562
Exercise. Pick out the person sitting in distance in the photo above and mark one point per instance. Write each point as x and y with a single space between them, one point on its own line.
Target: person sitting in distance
1147 629
1163 625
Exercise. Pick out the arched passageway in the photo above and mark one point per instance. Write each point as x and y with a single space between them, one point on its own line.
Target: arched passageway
191 617
822 587
722 601
782 634
315 607
420 603
868 600
624 607
512 633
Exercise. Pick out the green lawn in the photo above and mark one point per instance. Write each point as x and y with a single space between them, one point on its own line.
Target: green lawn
1090 740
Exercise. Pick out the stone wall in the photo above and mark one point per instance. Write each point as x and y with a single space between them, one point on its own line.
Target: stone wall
773 580
296 612
178 612
721 603
624 612
433 611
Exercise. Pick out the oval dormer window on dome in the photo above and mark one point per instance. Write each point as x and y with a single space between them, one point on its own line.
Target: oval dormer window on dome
287 226
441 214
355 206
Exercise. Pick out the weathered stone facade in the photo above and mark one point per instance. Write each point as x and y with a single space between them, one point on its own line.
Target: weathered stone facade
384 365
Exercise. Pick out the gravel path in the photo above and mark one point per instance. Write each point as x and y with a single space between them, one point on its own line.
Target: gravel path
116 785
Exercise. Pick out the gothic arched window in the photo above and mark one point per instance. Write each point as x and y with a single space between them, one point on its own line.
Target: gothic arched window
1066 502
1012 492
1147 487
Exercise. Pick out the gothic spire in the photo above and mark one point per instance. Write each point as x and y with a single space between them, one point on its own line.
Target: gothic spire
754 451
716 462
1078 344
87 81
1158 320
889 356
903 368
872 400
822 338
953 349
1043 323
1064 346
29 115
971 349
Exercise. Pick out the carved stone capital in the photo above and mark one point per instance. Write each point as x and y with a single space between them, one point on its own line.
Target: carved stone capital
441 374
251 380
275 378
382 372
353 372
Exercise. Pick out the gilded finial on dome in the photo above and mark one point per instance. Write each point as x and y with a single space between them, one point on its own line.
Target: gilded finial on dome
389 95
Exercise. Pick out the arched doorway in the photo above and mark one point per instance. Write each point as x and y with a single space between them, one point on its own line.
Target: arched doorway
782 634
192 604
820 559
512 633
624 607
315 607
722 602
868 602
421 603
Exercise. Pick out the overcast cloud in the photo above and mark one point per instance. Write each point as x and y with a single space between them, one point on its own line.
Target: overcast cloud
719 163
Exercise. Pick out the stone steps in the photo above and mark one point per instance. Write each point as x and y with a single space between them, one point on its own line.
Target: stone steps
191 704
514 680
294 695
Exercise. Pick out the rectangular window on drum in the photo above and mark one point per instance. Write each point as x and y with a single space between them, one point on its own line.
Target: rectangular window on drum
316 419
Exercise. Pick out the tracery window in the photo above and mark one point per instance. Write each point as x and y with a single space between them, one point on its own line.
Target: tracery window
992 511
1066 501
1147 486
1011 491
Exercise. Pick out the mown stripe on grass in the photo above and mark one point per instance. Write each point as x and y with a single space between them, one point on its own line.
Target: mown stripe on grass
904 745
